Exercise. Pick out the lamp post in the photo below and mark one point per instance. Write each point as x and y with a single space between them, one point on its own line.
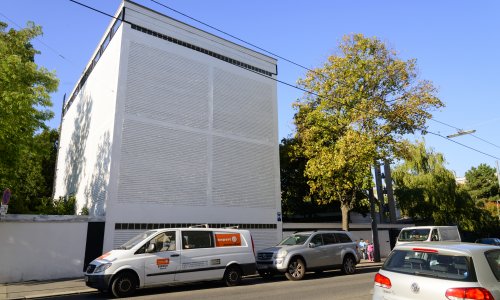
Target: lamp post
461 132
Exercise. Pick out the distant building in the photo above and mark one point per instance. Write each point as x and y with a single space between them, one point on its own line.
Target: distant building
171 126
460 180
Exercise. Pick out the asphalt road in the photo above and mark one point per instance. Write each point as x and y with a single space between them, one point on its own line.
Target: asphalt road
327 285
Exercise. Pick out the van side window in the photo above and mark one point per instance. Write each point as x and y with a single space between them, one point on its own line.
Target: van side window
197 239
164 241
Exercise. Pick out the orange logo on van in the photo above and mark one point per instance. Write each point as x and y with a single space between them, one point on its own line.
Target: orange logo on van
104 255
162 261
227 239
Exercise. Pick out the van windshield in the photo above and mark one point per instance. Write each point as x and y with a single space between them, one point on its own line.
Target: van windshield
411 235
296 239
136 240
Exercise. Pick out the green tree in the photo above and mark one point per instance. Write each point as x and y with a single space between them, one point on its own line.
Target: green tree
482 182
33 178
24 92
294 188
24 109
426 190
363 102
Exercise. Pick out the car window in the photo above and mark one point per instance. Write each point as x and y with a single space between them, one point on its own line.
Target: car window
197 239
493 258
450 267
329 238
296 239
343 238
164 241
419 234
317 240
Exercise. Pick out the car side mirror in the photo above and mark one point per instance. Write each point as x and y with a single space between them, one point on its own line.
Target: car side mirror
312 245
150 248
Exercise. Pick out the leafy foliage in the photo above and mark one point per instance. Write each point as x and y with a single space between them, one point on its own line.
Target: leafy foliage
27 146
363 102
482 182
427 192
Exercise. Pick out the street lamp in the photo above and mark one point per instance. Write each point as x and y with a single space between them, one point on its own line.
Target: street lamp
461 132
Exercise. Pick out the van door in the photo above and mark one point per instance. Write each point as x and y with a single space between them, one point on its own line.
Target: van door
163 262
200 259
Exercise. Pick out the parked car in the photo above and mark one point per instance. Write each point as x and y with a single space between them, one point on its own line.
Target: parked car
309 251
172 256
428 234
489 241
439 270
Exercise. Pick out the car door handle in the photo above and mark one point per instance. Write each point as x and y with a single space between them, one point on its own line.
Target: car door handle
174 255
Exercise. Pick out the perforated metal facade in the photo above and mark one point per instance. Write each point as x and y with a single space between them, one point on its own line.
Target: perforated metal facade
191 131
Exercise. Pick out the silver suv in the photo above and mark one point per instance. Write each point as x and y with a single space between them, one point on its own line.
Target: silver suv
311 251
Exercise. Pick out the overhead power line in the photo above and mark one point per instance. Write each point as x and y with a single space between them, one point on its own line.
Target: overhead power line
233 36
471 148
305 90
36 38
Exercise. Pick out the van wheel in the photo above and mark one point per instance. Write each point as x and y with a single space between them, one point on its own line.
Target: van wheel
123 285
349 265
232 276
296 269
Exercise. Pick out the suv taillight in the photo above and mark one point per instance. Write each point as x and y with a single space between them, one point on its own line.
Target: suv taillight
382 281
469 293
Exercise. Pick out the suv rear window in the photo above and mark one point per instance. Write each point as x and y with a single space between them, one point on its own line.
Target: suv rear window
436 265
343 238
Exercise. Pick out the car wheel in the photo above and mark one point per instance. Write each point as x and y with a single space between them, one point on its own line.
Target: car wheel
123 285
266 274
296 269
349 265
232 276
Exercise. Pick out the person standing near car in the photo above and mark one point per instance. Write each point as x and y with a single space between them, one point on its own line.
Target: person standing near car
369 250
362 248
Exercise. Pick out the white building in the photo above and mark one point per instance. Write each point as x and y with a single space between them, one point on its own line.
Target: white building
170 126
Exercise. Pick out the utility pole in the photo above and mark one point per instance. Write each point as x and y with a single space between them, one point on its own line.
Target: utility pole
390 192
498 178
380 192
376 244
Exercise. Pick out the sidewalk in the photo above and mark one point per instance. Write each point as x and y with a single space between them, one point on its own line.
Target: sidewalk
47 289
42 289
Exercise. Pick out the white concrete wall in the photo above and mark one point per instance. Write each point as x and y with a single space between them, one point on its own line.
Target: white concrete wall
41 248
84 156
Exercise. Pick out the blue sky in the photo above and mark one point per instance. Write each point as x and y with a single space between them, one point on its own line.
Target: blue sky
455 43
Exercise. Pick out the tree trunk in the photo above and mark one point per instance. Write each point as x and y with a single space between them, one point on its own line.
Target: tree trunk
345 216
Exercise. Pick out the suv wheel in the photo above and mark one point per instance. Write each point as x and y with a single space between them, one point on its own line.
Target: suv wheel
349 265
296 269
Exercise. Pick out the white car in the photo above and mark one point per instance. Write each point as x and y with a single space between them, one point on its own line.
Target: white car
439 270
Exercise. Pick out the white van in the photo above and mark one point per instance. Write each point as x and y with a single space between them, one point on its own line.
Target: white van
428 234
174 255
